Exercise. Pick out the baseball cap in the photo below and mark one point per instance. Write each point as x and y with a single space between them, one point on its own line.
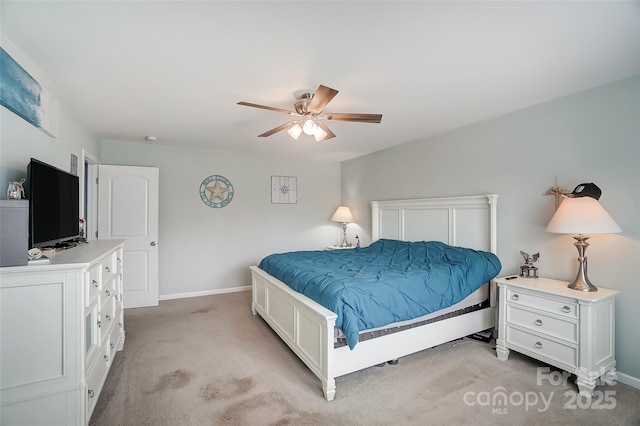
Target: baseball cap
586 190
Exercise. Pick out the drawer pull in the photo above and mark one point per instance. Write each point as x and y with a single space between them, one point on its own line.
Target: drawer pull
112 345
566 309
538 322
98 323
107 268
515 297
106 358
95 283
538 345
108 317
91 393
108 293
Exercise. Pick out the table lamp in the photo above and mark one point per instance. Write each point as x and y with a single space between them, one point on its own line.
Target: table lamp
343 214
581 213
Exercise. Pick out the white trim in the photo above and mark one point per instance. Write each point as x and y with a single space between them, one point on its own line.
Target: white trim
91 162
628 380
203 293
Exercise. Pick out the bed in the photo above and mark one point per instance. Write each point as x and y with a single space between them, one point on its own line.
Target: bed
309 328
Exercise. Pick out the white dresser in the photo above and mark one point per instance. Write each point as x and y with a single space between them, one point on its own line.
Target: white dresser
572 330
61 325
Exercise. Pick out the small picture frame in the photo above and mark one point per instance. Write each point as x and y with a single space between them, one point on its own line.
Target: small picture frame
284 190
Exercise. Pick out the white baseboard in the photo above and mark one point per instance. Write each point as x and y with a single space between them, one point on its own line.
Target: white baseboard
203 293
628 380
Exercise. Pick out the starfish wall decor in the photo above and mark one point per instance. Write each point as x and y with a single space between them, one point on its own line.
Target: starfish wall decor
557 191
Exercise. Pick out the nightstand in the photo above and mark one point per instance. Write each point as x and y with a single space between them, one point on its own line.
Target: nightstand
569 329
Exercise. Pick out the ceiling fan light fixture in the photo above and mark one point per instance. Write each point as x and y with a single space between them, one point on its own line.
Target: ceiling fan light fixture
319 134
309 127
295 131
309 108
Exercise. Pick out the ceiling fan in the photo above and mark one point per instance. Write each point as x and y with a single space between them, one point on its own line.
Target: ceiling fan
309 110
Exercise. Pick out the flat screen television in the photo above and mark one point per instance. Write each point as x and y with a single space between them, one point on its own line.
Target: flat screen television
54 205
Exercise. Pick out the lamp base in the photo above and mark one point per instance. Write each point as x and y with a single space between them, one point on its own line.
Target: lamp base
344 243
581 282
582 286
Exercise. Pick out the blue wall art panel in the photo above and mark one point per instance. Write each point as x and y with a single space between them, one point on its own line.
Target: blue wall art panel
22 94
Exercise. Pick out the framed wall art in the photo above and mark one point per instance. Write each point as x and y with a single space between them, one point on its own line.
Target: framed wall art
24 96
284 190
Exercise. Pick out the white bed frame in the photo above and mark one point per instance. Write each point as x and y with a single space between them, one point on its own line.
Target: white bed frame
308 328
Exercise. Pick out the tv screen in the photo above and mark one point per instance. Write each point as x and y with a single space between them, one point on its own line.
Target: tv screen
54 205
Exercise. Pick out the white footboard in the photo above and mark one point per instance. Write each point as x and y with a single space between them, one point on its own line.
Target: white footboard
305 326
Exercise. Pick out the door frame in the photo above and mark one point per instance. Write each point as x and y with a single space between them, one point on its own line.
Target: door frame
89 195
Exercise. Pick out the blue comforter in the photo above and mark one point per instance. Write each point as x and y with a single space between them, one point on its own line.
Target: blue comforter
386 282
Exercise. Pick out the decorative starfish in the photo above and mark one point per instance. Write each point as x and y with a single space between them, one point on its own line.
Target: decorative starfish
217 191
558 192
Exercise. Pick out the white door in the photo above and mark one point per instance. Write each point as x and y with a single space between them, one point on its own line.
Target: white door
128 210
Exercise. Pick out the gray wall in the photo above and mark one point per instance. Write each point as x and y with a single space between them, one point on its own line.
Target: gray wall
204 249
19 140
592 136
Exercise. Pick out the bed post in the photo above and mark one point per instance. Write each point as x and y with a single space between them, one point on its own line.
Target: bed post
493 225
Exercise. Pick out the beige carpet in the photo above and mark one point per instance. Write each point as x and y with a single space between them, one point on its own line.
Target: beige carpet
208 361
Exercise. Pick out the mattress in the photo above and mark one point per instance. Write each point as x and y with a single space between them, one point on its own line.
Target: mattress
479 299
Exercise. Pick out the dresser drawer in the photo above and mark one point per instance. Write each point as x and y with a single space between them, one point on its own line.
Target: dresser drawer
94 284
565 354
114 341
119 257
564 329
560 306
108 290
110 266
94 381
108 316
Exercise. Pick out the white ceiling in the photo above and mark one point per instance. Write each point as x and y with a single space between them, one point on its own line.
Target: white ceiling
175 70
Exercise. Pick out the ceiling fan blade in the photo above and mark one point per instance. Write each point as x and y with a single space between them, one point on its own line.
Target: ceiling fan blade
277 129
320 99
327 130
347 116
249 104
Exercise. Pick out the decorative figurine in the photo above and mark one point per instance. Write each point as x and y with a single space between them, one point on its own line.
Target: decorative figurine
528 270
15 190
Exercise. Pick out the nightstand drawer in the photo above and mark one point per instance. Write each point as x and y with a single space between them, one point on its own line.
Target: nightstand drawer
536 321
559 306
564 354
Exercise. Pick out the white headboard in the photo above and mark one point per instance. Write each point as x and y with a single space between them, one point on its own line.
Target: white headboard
458 221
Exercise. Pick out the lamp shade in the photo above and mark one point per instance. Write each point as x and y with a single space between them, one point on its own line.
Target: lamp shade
582 215
342 214
295 131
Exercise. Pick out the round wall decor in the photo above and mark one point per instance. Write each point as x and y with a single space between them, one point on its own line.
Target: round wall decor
216 191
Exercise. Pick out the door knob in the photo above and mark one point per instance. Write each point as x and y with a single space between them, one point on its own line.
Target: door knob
153 243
